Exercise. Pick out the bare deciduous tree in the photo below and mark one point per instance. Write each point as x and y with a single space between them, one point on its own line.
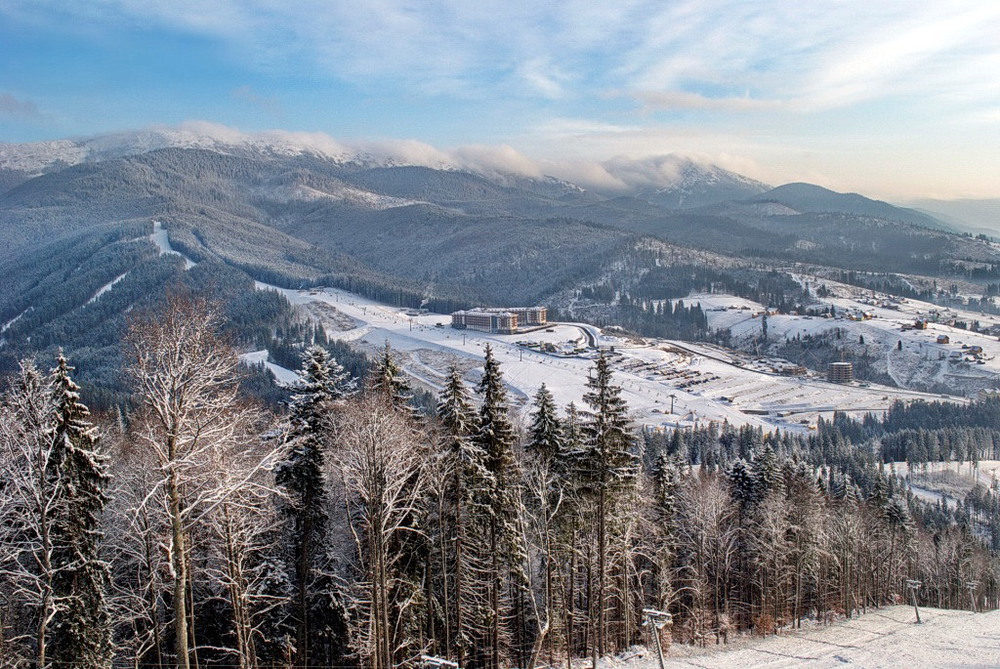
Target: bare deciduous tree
380 464
185 376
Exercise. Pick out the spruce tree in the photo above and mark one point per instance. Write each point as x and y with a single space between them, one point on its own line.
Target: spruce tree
496 437
465 468
546 438
610 469
81 629
386 378
301 475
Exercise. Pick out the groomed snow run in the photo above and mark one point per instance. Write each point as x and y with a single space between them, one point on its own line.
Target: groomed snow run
106 287
667 384
162 241
881 638
283 376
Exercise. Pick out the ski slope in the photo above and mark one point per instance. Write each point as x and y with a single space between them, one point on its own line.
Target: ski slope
284 377
667 384
162 241
881 638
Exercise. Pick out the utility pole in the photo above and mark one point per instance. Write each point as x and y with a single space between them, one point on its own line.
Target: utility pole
914 585
656 621
672 398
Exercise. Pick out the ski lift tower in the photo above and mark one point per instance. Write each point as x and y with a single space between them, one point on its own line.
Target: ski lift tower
972 586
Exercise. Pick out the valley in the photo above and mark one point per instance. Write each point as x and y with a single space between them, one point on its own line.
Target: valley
667 384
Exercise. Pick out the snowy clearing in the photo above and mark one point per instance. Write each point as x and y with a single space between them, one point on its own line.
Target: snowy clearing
881 638
941 353
666 383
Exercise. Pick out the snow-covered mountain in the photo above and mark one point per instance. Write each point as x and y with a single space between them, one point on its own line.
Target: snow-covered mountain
39 157
671 181
680 182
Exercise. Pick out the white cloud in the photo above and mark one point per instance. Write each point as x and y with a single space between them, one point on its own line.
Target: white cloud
672 100
795 85
495 160
687 54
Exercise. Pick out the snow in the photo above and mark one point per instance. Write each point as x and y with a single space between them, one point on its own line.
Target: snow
921 362
700 382
36 156
106 287
6 326
343 193
283 375
887 637
162 241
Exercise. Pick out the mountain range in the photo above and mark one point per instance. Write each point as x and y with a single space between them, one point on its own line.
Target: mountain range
295 210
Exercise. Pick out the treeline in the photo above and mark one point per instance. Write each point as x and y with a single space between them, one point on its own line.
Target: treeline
895 446
351 530
652 306
66 311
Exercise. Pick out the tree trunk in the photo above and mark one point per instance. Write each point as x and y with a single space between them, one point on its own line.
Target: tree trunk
179 564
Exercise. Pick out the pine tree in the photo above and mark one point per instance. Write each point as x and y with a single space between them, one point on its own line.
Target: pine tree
81 629
387 379
301 474
767 472
461 552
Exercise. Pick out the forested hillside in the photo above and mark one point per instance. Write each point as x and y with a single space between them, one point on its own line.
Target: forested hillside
353 531
75 247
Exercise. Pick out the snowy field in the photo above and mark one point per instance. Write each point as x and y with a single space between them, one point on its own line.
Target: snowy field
881 638
666 384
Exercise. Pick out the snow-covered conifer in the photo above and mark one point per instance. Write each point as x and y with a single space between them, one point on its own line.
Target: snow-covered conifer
81 632
301 475
546 434
386 378
609 472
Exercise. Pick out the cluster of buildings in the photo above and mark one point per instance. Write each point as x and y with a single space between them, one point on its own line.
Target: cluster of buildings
500 320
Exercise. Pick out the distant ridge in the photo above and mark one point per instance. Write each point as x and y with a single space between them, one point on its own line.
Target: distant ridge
809 198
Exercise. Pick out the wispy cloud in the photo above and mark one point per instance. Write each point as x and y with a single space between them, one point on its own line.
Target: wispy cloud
783 82
267 104
19 109
681 100
726 55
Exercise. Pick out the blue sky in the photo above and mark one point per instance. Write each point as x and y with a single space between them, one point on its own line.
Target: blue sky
890 98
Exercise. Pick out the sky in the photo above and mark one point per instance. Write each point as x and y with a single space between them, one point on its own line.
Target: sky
891 98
